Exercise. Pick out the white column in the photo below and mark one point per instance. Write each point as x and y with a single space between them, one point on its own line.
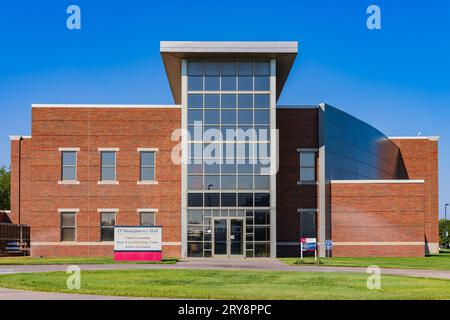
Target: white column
273 160
184 159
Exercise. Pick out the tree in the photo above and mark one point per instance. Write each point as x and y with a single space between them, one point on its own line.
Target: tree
444 242
5 188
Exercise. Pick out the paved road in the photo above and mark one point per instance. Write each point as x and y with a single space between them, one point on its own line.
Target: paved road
227 264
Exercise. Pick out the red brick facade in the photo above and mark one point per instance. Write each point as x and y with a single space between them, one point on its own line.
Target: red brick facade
90 129
421 161
378 219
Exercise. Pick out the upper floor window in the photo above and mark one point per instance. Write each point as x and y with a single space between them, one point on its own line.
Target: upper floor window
307 166
147 165
108 165
68 165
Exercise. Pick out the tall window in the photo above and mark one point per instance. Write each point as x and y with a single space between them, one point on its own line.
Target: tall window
307 166
108 165
68 226
147 166
68 166
108 221
147 219
308 224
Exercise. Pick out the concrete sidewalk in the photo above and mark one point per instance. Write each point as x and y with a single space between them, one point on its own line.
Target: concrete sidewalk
12 294
227 264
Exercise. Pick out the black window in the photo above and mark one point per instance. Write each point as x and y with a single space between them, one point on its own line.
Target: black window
308 224
195 200
245 200
108 221
228 199
262 199
212 200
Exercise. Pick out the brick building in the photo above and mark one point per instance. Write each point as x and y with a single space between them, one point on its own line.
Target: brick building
225 171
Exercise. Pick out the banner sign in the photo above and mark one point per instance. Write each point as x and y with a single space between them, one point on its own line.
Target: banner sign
137 238
309 244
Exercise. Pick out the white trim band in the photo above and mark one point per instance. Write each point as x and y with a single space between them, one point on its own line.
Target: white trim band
108 106
147 149
69 149
108 210
102 243
147 210
12 138
380 243
375 181
68 210
108 149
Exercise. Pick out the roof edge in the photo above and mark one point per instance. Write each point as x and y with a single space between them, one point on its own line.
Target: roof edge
130 106
431 138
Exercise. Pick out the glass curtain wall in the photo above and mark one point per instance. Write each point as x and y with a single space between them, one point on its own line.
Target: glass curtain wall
228 121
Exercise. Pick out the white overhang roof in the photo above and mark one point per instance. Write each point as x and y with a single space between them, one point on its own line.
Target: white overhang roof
173 52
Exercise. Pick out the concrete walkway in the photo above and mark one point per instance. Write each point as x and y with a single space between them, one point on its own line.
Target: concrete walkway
12 294
227 264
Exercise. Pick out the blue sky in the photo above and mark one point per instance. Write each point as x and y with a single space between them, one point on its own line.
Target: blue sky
396 78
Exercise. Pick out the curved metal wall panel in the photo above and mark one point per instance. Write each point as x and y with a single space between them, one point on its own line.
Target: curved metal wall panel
355 150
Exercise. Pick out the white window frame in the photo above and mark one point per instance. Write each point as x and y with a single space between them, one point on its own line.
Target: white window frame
154 181
115 150
307 150
61 151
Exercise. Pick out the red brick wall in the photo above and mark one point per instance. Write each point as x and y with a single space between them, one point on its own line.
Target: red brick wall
90 129
421 161
366 215
298 128
24 148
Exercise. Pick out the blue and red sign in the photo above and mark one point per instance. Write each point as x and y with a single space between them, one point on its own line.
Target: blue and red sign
309 244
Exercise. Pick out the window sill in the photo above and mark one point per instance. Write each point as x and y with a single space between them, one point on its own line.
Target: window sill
147 182
68 182
301 183
108 182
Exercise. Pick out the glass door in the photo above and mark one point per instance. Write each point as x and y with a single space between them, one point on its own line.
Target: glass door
220 237
236 237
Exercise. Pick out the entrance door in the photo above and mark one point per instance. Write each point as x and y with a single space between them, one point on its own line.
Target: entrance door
236 237
228 237
220 237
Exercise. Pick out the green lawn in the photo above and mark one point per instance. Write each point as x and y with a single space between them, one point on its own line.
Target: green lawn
218 284
432 262
71 260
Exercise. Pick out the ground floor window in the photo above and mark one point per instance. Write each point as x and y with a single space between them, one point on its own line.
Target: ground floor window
228 232
308 223
108 221
68 226
147 219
